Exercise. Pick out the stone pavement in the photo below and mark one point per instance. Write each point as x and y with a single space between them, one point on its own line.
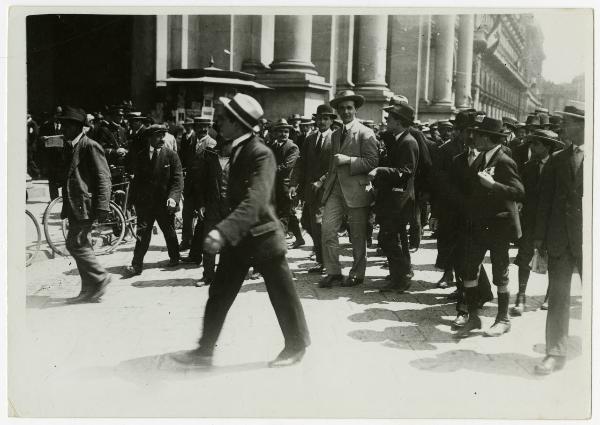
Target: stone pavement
378 355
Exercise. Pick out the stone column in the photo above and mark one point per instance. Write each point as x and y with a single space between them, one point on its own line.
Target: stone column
372 51
162 30
444 53
371 65
464 64
293 35
143 65
344 40
246 43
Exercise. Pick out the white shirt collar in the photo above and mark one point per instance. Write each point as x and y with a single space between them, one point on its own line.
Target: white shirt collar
351 124
491 152
544 160
76 139
580 147
240 139
324 134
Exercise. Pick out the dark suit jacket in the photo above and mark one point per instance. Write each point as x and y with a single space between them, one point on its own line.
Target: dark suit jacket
520 154
559 213
209 192
395 176
311 166
152 186
252 228
531 181
496 208
188 148
286 156
423 176
441 180
87 187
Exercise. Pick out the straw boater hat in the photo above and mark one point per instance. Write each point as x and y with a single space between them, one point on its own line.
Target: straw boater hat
281 124
245 108
446 124
510 122
306 121
202 120
294 118
396 100
490 126
347 95
572 111
325 109
403 110
547 137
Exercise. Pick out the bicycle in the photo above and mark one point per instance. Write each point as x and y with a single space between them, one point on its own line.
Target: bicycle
105 235
33 235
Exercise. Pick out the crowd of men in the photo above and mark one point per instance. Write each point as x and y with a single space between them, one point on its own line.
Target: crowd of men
481 184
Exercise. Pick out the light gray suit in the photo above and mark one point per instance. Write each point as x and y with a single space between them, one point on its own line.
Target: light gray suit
347 191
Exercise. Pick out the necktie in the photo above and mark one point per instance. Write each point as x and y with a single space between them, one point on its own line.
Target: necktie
154 157
319 142
472 156
344 134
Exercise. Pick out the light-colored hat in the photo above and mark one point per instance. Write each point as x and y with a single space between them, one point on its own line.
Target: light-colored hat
280 124
347 95
245 108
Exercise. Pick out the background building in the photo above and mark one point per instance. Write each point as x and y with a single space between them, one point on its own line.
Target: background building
556 96
441 63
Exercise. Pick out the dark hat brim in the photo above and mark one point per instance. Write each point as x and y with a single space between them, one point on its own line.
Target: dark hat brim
357 98
324 114
493 133
282 126
569 114
545 140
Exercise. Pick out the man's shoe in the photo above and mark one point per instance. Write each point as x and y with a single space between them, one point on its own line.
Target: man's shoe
519 306
193 358
550 364
474 323
97 293
396 287
442 284
298 243
318 269
189 259
252 275
329 280
173 262
410 274
544 305
288 357
446 280
461 320
184 246
131 271
81 298
352 281
500 327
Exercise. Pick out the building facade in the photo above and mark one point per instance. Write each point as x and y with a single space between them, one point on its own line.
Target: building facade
441 63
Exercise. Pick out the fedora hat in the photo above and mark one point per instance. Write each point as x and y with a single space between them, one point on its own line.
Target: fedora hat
572 111
490 126
70 113
545 136
465 118
325 109
153 129
281 124
445 124
295 117
533 120
188 121
397 99
245 108
510 122
201 120
403 110
347 95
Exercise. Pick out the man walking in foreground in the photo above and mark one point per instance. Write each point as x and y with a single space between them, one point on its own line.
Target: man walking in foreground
86 194
251 235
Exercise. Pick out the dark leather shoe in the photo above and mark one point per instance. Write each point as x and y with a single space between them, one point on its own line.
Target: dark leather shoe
474 323
318 269
352 281
396 287
461 320
410 274
453 296
131 271
184 246
298 243
329 280
550 364
288 358
193 358
189 259
487 299
446 280
81 298
173 262
500 327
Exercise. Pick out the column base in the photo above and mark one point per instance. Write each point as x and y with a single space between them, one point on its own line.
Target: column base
293 93
376 98
294 66
436 111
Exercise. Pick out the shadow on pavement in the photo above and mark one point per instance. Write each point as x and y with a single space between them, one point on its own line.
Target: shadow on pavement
164 283
163 366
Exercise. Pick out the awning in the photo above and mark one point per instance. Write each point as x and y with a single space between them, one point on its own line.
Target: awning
217 80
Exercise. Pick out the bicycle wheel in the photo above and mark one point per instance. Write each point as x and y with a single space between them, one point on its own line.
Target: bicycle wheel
33 235
54 227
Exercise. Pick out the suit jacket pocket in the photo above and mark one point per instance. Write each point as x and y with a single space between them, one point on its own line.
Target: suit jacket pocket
266 241
267 227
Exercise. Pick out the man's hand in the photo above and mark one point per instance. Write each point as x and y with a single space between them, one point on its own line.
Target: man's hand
341 159
317 185
121 151
171 205
486 180
213 242
372 174
292 193
102 215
